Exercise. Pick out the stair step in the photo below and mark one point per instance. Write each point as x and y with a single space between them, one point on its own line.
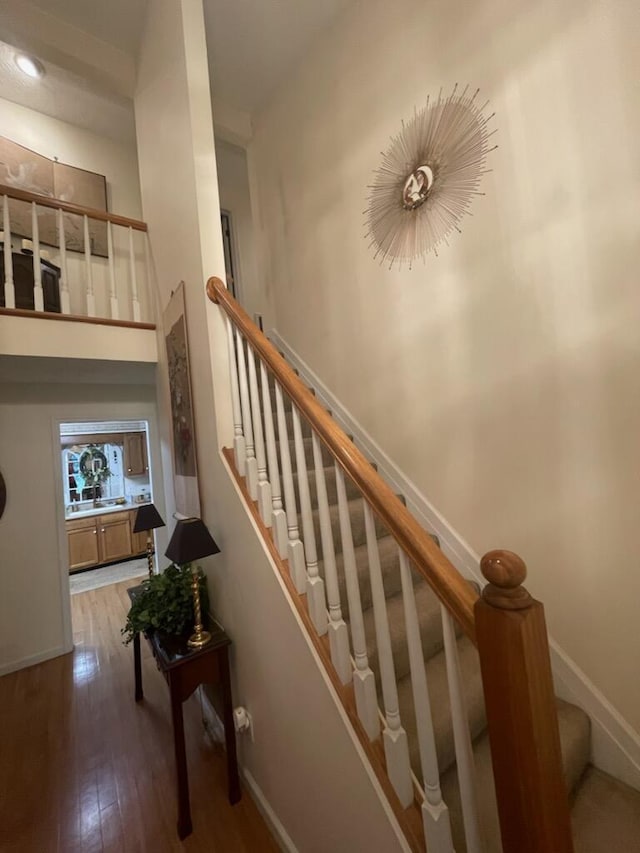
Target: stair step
330 481
574 728
429 619
358 532
605 815
327 458
440 706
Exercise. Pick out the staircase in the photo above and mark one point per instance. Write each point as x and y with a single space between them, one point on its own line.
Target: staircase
349 553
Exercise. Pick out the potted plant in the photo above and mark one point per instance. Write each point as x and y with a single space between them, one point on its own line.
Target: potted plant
164 603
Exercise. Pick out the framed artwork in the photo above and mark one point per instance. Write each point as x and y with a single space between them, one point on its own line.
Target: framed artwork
185 470
26 170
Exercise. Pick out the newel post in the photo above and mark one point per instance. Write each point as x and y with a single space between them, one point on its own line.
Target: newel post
521 711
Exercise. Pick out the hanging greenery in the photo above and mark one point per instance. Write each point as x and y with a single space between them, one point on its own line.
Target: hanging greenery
93 466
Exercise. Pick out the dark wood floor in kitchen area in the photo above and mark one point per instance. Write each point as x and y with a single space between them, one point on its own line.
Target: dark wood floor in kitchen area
84 768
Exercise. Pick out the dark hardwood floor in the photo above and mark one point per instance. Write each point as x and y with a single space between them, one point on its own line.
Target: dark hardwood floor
84 768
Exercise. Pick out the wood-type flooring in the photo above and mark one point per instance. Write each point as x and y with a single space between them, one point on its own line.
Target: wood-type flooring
84 769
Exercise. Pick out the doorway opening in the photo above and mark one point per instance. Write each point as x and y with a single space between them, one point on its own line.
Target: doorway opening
106 478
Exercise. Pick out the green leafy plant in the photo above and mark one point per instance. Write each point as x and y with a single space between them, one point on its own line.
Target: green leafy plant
164 603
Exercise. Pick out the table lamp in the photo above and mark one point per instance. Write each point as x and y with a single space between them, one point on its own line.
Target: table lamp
190 541
147 519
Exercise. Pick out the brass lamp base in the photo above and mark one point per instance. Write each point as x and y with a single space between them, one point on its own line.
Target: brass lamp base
149 554
198 640
200 637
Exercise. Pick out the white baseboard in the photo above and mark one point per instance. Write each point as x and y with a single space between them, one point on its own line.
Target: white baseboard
615 744
270 817
32 660
264 806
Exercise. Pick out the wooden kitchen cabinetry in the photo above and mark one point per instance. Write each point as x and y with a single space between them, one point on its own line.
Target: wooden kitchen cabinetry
114 537
82 535
138 540
135 454
102 539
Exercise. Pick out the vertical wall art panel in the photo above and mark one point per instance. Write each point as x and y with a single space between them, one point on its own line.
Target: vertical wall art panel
185 471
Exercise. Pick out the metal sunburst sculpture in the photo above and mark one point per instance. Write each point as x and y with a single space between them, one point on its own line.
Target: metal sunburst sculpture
428 177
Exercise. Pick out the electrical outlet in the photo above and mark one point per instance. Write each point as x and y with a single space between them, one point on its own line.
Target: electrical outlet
243 722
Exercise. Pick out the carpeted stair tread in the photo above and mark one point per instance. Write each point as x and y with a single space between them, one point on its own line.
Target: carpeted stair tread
358 532
330 481
389 566
429 619
440 706
327 458
605 815
575 742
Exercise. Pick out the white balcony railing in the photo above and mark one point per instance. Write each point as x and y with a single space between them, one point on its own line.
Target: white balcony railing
103 277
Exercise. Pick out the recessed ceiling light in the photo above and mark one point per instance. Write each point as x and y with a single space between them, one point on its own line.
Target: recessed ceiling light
29 65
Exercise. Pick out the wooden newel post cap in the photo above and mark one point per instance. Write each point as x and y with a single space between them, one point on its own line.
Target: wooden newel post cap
505 572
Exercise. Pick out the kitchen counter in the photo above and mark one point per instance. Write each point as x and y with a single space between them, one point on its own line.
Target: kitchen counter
103 510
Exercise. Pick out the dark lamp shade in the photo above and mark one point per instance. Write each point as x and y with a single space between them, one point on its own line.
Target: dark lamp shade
190 541
147 518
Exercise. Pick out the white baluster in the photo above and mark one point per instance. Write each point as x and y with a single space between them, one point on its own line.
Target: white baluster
91 299
462 737
9 287
435 814
315 585
278 516
239 450
38 293
148 276
135 302
65 297
338 633
251 461
364 683
295 549
396 745
113 292
264 489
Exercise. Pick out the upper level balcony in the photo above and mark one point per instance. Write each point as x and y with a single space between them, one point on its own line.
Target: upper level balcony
79 286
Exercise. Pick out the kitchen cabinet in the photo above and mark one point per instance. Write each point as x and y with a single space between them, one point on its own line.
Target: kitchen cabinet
105 538
135 454
138 540
82 535
114 537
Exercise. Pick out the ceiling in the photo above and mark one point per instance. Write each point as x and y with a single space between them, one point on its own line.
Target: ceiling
253 45
68 97
117 22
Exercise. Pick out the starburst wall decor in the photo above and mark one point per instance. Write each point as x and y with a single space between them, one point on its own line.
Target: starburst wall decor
428 177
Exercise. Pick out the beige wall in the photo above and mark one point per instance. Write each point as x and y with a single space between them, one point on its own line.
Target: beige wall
502 376
288 758
118 163
34 603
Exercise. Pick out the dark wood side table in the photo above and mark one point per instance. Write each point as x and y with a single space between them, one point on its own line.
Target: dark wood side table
23 282
184 670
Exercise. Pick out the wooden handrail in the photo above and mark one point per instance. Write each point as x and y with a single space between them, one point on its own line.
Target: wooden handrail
69 207
74 318
448 584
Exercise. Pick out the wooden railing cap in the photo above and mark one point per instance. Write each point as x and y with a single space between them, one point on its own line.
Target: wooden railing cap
506 573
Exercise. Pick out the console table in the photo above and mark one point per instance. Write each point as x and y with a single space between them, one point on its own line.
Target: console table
184 670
